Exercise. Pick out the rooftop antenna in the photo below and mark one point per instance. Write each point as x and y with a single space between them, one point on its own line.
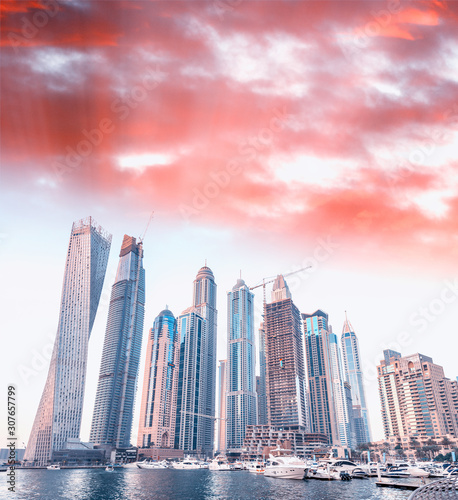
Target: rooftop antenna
141 238
205 262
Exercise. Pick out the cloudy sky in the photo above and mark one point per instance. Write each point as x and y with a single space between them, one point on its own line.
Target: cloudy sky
267 136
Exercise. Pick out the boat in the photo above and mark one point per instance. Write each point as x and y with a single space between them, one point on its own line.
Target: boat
286 466
256 467
188 464
396 472
109 468
359 473
53 467
220 463
152 465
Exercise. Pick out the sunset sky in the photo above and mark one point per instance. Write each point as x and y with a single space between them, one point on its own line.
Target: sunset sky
267 136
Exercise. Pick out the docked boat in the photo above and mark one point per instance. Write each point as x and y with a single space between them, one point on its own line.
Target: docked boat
286 466
359 473
256 467
396 472
187 464
109 468
53 467
153 465
220 463
324 473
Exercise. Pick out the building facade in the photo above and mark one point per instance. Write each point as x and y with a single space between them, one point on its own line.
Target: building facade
59 413
160 384
354 376
204 301
416 397
190 416
322 410
285 373
241 383
117 384
261 380
341 394
221 438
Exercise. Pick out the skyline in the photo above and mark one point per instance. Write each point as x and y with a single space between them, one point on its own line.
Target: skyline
266 136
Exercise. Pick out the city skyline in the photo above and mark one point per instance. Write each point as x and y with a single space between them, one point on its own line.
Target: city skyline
266 136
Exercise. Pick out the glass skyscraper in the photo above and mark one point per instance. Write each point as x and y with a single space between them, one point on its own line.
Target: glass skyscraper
322 411
285 383
354 376
59 413
261 380
190 417
158 408
117 385
241 388
204 300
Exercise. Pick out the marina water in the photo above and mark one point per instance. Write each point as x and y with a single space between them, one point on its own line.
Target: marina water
170 484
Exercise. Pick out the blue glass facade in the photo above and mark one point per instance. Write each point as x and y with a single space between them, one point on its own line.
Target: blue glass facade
241 391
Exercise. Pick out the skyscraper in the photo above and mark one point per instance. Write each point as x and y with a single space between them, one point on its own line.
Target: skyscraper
416 397
221 439
117 385
285 374
204 300
322 410
59 413
344 413
160 383
354 376
190 416
241 385
261 380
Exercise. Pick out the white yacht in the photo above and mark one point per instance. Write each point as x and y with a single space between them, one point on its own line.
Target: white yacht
188 464
152 465
53 467
256 467
220 463
109 468
286 466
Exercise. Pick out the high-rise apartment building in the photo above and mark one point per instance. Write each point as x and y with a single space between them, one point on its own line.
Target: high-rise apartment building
191 420
117 384
354 376
221 437
344 413
160 384
416 398
58 418
285 373
322 409
204 301
261 380
241 386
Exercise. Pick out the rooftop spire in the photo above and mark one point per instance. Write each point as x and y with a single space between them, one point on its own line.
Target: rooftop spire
347 328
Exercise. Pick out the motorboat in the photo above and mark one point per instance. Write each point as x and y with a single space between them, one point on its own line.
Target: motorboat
153 465
286 466
396 472
187 464
220 463
256 467
324 473
53 467
359 473
109 468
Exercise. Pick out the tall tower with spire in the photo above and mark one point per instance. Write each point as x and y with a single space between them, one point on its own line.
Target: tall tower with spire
59 414
117 385
354 376
197 327
158 407
285 373
241 385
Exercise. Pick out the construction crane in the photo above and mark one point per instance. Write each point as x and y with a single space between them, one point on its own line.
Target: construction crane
141 238
264 282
